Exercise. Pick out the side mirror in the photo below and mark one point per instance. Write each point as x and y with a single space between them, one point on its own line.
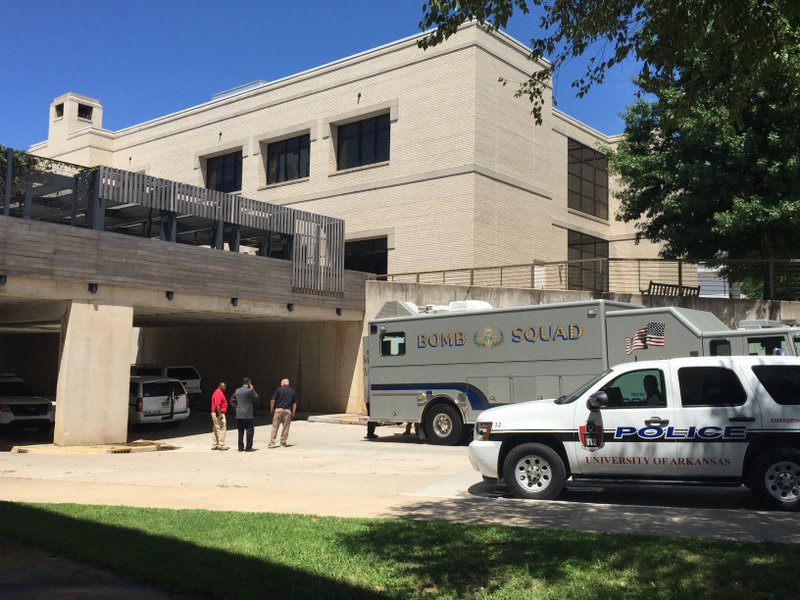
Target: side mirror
597 400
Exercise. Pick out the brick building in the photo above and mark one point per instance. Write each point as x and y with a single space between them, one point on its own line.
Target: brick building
429 159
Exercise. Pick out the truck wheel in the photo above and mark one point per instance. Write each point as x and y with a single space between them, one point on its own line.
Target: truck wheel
443 425
535 472
775 477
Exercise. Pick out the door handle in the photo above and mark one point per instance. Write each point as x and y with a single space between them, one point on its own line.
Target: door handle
742 419
656 421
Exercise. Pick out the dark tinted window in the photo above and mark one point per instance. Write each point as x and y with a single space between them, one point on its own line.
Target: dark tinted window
710 386
587 180
781 382
720 348
156 371
162 388
183 373
15 388
637 389
588 262
224 173
134 391
367 255
393 344
363 142
288 159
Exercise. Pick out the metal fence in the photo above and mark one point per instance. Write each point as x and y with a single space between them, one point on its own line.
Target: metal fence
754 279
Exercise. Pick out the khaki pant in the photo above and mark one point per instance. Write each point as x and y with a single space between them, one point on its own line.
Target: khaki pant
282 416
219 427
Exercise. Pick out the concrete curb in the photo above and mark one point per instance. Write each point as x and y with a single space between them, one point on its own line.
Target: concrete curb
341 419
129 448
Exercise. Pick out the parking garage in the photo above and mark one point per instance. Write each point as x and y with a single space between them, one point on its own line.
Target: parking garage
100 269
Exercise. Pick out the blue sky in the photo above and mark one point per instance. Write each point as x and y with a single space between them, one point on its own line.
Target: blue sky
143 58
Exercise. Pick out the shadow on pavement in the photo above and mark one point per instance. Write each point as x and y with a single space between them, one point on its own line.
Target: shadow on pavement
663 495
23 437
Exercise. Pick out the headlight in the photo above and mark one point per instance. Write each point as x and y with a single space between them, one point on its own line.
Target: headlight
482 431
5 408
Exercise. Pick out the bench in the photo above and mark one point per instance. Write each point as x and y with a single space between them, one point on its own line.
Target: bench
672 289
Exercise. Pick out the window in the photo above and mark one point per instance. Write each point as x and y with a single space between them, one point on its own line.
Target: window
720 348
592 272
637 389
782 383
224 173
369 256
288 159
59 110
363 142
84 112
710 386
393 344
183 373
587 187
157 389
766 346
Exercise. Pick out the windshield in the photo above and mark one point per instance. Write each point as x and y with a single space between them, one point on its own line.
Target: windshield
15 388
581 390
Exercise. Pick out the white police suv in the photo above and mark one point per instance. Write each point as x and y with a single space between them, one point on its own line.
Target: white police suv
21 408
716 419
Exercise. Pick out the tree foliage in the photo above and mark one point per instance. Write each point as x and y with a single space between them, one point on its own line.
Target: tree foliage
704 186
663 36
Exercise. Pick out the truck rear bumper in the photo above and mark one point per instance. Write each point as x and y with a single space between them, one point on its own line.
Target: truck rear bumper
483 456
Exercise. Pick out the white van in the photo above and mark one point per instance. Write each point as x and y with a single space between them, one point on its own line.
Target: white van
157 400
187 375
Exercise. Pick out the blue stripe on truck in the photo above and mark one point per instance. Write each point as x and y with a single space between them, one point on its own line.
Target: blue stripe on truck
477 399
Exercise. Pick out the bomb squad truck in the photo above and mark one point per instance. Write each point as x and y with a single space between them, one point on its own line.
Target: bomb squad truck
440 367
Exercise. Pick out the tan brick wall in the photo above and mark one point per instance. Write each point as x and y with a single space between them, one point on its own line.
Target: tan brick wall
471 180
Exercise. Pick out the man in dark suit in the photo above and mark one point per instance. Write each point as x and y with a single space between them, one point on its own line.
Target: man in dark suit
243 399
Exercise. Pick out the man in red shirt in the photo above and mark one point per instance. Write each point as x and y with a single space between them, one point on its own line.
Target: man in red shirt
219 406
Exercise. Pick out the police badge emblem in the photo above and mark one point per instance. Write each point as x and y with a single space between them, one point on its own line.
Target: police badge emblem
591 436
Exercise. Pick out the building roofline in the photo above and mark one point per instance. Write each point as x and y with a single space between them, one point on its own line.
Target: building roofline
609 139
251 90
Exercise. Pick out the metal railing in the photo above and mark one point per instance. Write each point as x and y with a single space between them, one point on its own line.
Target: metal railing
106 198
755 279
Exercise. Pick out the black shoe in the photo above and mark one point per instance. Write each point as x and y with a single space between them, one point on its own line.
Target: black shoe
370 436
241 449
249 449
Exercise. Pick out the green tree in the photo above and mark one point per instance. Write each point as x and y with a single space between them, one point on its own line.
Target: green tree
664 36
703 186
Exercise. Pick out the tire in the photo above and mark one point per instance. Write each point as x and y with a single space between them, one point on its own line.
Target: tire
534 472
775 477
443 425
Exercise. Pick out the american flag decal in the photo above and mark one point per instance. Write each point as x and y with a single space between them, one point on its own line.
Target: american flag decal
655 334
652 335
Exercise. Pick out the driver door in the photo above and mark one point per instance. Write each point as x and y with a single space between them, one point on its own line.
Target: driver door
630 432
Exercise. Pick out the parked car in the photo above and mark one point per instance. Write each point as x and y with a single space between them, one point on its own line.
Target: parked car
21 408
157 400
733 419
187 375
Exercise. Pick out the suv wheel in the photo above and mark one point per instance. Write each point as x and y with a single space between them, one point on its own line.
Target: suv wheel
534 471
775 477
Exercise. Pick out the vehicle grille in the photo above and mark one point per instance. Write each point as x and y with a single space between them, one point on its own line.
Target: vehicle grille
29 410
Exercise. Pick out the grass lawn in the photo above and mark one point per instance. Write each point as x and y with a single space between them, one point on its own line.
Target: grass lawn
231 555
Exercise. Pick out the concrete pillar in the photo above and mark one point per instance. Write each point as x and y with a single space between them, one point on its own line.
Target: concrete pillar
93 375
